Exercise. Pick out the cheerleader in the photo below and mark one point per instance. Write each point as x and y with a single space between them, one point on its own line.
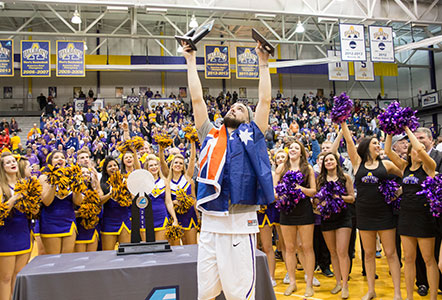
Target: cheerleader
58 229
373 214
116 225
180 180
15 232
87 239
337 228
415 220
161 198
269 218
300 219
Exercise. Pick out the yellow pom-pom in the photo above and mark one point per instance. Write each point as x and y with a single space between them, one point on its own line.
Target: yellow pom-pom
173 232
29 191
89 210
136 143
191 133
185 202
77 182
58 177
262 209
120 193
4 213
163 140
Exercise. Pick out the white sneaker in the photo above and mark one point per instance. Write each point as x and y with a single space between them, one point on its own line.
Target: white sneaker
286 279
273 282
315 281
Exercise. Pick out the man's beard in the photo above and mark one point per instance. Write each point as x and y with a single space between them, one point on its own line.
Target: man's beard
231 122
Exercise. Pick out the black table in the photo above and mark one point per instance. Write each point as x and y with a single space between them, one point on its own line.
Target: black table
105 276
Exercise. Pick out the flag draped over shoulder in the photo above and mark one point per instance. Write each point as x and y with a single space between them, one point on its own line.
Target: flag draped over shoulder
235 168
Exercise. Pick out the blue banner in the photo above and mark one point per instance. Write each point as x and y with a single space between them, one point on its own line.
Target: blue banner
246 63
6 58
216 62
70 59
35 59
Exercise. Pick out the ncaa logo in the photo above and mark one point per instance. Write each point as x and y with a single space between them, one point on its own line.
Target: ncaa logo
381 46
164 293
353 44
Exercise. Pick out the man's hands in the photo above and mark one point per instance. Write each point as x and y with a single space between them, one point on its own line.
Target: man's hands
188 53
262 54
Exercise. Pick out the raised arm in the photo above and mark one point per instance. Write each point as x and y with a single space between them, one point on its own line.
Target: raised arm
195 88
427 161
191 166
264 89
163 163
351 148
48 191
335 146
393 156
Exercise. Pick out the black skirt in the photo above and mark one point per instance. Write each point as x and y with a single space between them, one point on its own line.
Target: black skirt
374 218
336 221
417 223
302 214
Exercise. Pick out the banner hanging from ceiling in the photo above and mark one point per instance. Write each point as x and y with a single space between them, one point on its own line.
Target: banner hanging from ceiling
246 63
35 59
337 70
216 62
70 59
6 58
364 70
381 43
352 38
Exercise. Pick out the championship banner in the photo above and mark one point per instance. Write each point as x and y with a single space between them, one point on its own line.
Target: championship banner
6 58
364 70
381 43
352 39
337 70
70 59
246 63
35 59
216 62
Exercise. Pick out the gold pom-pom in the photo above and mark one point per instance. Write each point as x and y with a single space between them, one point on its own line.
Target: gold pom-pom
185 202
58 177
77 182
89 210
163 140
29 202
120 193
191 133
173 232
136 143
4 212
262 209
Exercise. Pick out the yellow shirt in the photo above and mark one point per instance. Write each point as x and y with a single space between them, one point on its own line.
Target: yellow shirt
15 140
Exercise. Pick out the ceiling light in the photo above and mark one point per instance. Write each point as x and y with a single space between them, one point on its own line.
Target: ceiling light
327 20
299 27
156 10
76 19
394 34
85 46
265 16
118 8
193 23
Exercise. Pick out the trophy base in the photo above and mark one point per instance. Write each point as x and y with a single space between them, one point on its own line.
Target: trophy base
188 40
143 247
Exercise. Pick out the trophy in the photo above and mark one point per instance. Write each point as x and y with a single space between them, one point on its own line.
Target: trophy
265 44
195 35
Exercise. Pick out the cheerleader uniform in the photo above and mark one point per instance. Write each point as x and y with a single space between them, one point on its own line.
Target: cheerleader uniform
415 218
58 219
269 217
160 214
188 220
339 220
302 214
115 218
15 234
372 212
88 236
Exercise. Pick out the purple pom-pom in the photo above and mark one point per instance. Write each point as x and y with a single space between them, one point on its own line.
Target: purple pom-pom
330 199
395 118
388 188
432 189
288 194
342 107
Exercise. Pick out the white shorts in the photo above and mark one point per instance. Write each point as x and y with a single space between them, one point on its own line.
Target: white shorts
226 262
